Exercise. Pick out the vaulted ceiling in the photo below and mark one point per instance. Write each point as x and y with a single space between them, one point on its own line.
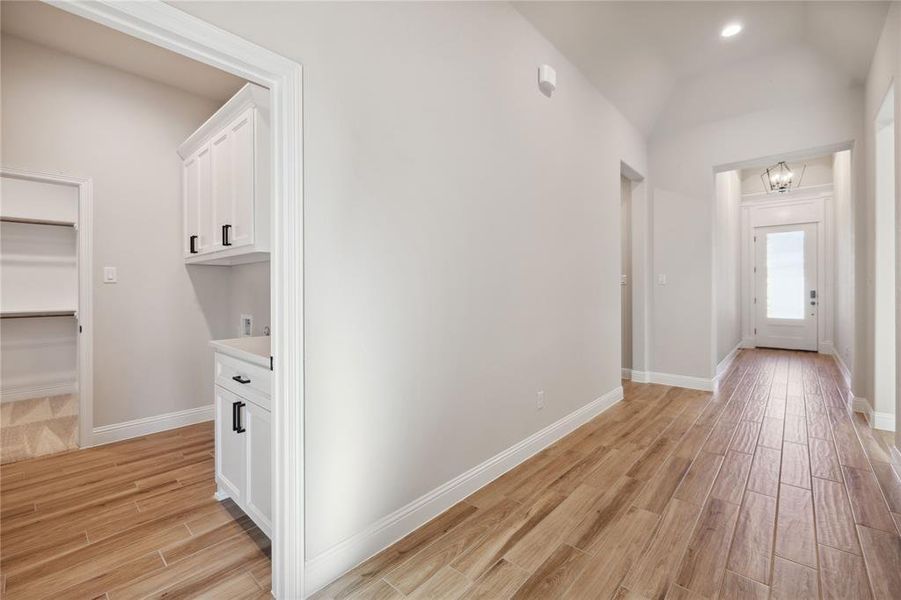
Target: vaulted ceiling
639 54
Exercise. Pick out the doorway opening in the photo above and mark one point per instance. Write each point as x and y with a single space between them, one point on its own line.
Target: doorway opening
626 276
634 253
884 354
250 159
784 256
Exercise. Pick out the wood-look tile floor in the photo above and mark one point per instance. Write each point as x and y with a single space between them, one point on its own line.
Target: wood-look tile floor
135 519
767 488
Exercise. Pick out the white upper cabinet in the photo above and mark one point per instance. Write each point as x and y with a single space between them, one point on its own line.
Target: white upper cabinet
226 183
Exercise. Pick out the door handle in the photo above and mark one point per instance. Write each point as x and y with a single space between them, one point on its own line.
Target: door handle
192 243
235 415
239 428
225 240
240 379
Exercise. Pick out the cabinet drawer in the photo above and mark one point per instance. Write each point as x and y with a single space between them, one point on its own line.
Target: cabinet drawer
245 379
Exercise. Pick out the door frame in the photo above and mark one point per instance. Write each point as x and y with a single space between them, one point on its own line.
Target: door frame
166 26
813 205
84 232
640 218
760 294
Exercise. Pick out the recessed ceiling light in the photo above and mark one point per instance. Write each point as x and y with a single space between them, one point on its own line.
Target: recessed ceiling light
731 29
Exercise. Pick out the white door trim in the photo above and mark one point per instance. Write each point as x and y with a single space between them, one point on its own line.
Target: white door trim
784 333
85 311
813 205
170 28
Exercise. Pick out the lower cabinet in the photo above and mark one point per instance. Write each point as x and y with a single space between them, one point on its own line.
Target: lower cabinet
243 456
258 478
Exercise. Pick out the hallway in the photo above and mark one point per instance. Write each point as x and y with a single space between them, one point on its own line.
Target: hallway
768 487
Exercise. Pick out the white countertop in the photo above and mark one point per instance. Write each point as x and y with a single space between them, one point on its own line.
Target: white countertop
252 349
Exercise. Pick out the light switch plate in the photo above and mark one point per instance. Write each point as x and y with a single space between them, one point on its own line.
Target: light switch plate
110 275
661 279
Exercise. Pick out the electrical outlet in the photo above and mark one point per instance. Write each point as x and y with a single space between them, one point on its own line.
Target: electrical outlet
540 402
246 325
661 279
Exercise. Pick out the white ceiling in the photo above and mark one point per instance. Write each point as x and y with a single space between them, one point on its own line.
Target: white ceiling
639 53
63 31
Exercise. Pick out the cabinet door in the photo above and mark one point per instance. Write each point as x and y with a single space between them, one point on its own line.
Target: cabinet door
205 231
231 451
191 194
258 491
242 147
221 183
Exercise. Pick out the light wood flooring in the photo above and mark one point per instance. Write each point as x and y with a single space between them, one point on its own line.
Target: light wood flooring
135 519
767 488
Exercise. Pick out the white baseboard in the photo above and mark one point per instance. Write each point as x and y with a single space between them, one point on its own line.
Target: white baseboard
748 342
883 421
117 432
860 405
320 570
641 377
826 347
842 367
877 420
627 374
683 381
724 364
14 393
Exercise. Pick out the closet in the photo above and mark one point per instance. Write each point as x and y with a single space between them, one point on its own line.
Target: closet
40 310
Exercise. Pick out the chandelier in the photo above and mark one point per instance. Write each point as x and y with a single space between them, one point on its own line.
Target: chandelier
779 178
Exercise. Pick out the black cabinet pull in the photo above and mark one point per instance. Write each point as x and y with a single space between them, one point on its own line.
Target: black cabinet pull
225 240
240 427
240 379
193 247
235 415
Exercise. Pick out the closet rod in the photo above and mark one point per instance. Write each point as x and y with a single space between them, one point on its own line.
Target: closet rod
35 315
37 221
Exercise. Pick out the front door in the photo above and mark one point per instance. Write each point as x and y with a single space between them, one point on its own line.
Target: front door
786 296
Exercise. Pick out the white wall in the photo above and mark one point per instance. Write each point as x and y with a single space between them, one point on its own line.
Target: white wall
884 290
461 242
681 164
844 295
885 68
66 115
248 294
727 258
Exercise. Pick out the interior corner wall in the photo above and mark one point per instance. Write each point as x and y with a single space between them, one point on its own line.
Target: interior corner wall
66 115
683 193
727 258
885 68
461 243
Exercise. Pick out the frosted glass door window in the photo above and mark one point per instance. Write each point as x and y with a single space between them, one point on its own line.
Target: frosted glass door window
785 275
